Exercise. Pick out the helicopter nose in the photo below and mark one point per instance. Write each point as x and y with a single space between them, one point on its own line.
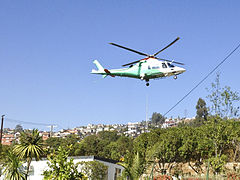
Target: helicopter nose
181 70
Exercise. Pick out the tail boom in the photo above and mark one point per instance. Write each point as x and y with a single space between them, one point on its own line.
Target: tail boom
101 70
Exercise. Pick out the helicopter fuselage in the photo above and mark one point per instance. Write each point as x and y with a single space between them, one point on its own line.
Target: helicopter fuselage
145 70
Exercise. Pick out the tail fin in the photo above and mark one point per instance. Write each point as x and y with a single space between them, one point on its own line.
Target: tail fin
99 66
101 70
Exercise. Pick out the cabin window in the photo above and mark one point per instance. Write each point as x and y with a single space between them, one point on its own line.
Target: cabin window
164 65
170 65
155 67
149 67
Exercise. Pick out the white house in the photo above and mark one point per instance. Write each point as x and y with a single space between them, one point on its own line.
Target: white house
37 167
133 128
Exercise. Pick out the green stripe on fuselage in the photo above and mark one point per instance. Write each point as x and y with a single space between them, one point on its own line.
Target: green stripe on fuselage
153 73
135 73
127 72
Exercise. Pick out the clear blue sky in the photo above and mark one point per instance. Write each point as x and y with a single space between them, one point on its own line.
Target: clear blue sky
47 49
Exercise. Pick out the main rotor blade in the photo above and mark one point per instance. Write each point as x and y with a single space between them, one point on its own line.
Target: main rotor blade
131 63
134 62
143 54
170 61
167 46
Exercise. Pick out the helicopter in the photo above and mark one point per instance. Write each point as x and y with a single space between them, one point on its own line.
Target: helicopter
150 67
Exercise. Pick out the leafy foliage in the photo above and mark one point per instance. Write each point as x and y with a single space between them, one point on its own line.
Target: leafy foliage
157 118
53 143
134 170
62 168
18 128
94 169
13 166
217 163
223 100
165 151
117 149
30 147
202 111
105 144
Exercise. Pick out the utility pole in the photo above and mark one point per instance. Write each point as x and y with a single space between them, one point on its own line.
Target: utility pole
51 129
185 113
146 113
1 129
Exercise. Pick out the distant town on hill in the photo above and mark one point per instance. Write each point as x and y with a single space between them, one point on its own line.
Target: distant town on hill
130 129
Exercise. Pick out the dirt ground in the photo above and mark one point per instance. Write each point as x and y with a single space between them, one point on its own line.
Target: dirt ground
185 172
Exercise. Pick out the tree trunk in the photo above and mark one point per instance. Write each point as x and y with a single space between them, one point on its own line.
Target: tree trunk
28 166
189 164
235 153
216 149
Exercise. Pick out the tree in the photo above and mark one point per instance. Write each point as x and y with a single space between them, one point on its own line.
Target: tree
144 143
97 145
217 163
88 146
118 149
60 167
201 114
94 170
223 100
157 118
202 111
108 136
18 128
141 144
218 135
234 138
30 147
13 166
195 147
53 143
165 151
73 140
228 98
105 138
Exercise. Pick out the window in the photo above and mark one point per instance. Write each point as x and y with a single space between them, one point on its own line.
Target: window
31 170
155 67
170 65
164 65
117 173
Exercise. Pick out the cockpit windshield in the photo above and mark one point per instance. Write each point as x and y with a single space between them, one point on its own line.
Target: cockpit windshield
170 65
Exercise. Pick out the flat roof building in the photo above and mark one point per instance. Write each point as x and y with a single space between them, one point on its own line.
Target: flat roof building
38 167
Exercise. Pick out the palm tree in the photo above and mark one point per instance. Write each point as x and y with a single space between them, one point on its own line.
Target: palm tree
13 169
30 147
135 170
